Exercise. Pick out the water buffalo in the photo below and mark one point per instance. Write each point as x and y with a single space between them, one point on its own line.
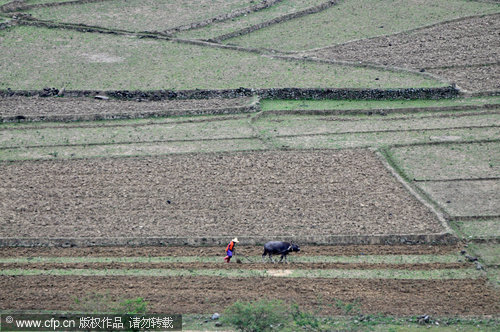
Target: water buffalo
278 248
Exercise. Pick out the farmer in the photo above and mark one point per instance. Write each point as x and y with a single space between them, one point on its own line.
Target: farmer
230 249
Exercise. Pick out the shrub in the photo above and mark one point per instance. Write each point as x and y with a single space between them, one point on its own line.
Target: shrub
262 315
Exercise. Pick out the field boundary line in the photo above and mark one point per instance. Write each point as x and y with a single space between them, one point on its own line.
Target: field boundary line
391 165
130 142
474 65
473 218
31 21
113 125
384 111
403 145
435 238
20 5
223 17
277 20
423 27
384 119
456 180
126 116
381 131
362 64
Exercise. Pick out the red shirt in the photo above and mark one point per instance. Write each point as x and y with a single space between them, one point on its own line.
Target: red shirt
230 246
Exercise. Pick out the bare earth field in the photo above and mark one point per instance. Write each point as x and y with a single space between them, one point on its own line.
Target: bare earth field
467 50
210 251
269 193
70 109
206 294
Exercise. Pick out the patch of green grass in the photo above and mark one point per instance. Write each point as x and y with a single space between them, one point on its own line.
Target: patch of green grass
489 253
74 60
221 28
378 140
313 125
465 198
359 19
451 161
44 1
371 259
139 15
139 134
280 104
479 228
245 273
38 58
129 150
118 122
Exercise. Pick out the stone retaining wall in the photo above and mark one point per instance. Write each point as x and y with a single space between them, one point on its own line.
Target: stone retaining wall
278 93
15 6
276 20
224 17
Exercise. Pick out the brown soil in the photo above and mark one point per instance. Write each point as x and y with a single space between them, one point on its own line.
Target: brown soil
212 294
462 44
214 251
66 109
245 265
292 193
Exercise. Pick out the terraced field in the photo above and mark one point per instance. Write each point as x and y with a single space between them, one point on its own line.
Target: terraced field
135 194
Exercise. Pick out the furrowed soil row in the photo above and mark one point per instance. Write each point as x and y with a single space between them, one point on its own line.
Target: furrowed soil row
210 251
204 294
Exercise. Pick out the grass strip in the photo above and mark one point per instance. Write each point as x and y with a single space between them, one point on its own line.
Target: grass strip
374 259
282 104
129 150
385 139
359 19
241 273
76 61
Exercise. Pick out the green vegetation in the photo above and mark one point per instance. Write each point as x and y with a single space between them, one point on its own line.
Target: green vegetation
450 161
233 273
315 125
73 60
146 133
327 104
44 1
103 303
358 19
221 28
277 315
144 137
130 150
262 315
479 228
488 253
139 15
381 139
465 198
